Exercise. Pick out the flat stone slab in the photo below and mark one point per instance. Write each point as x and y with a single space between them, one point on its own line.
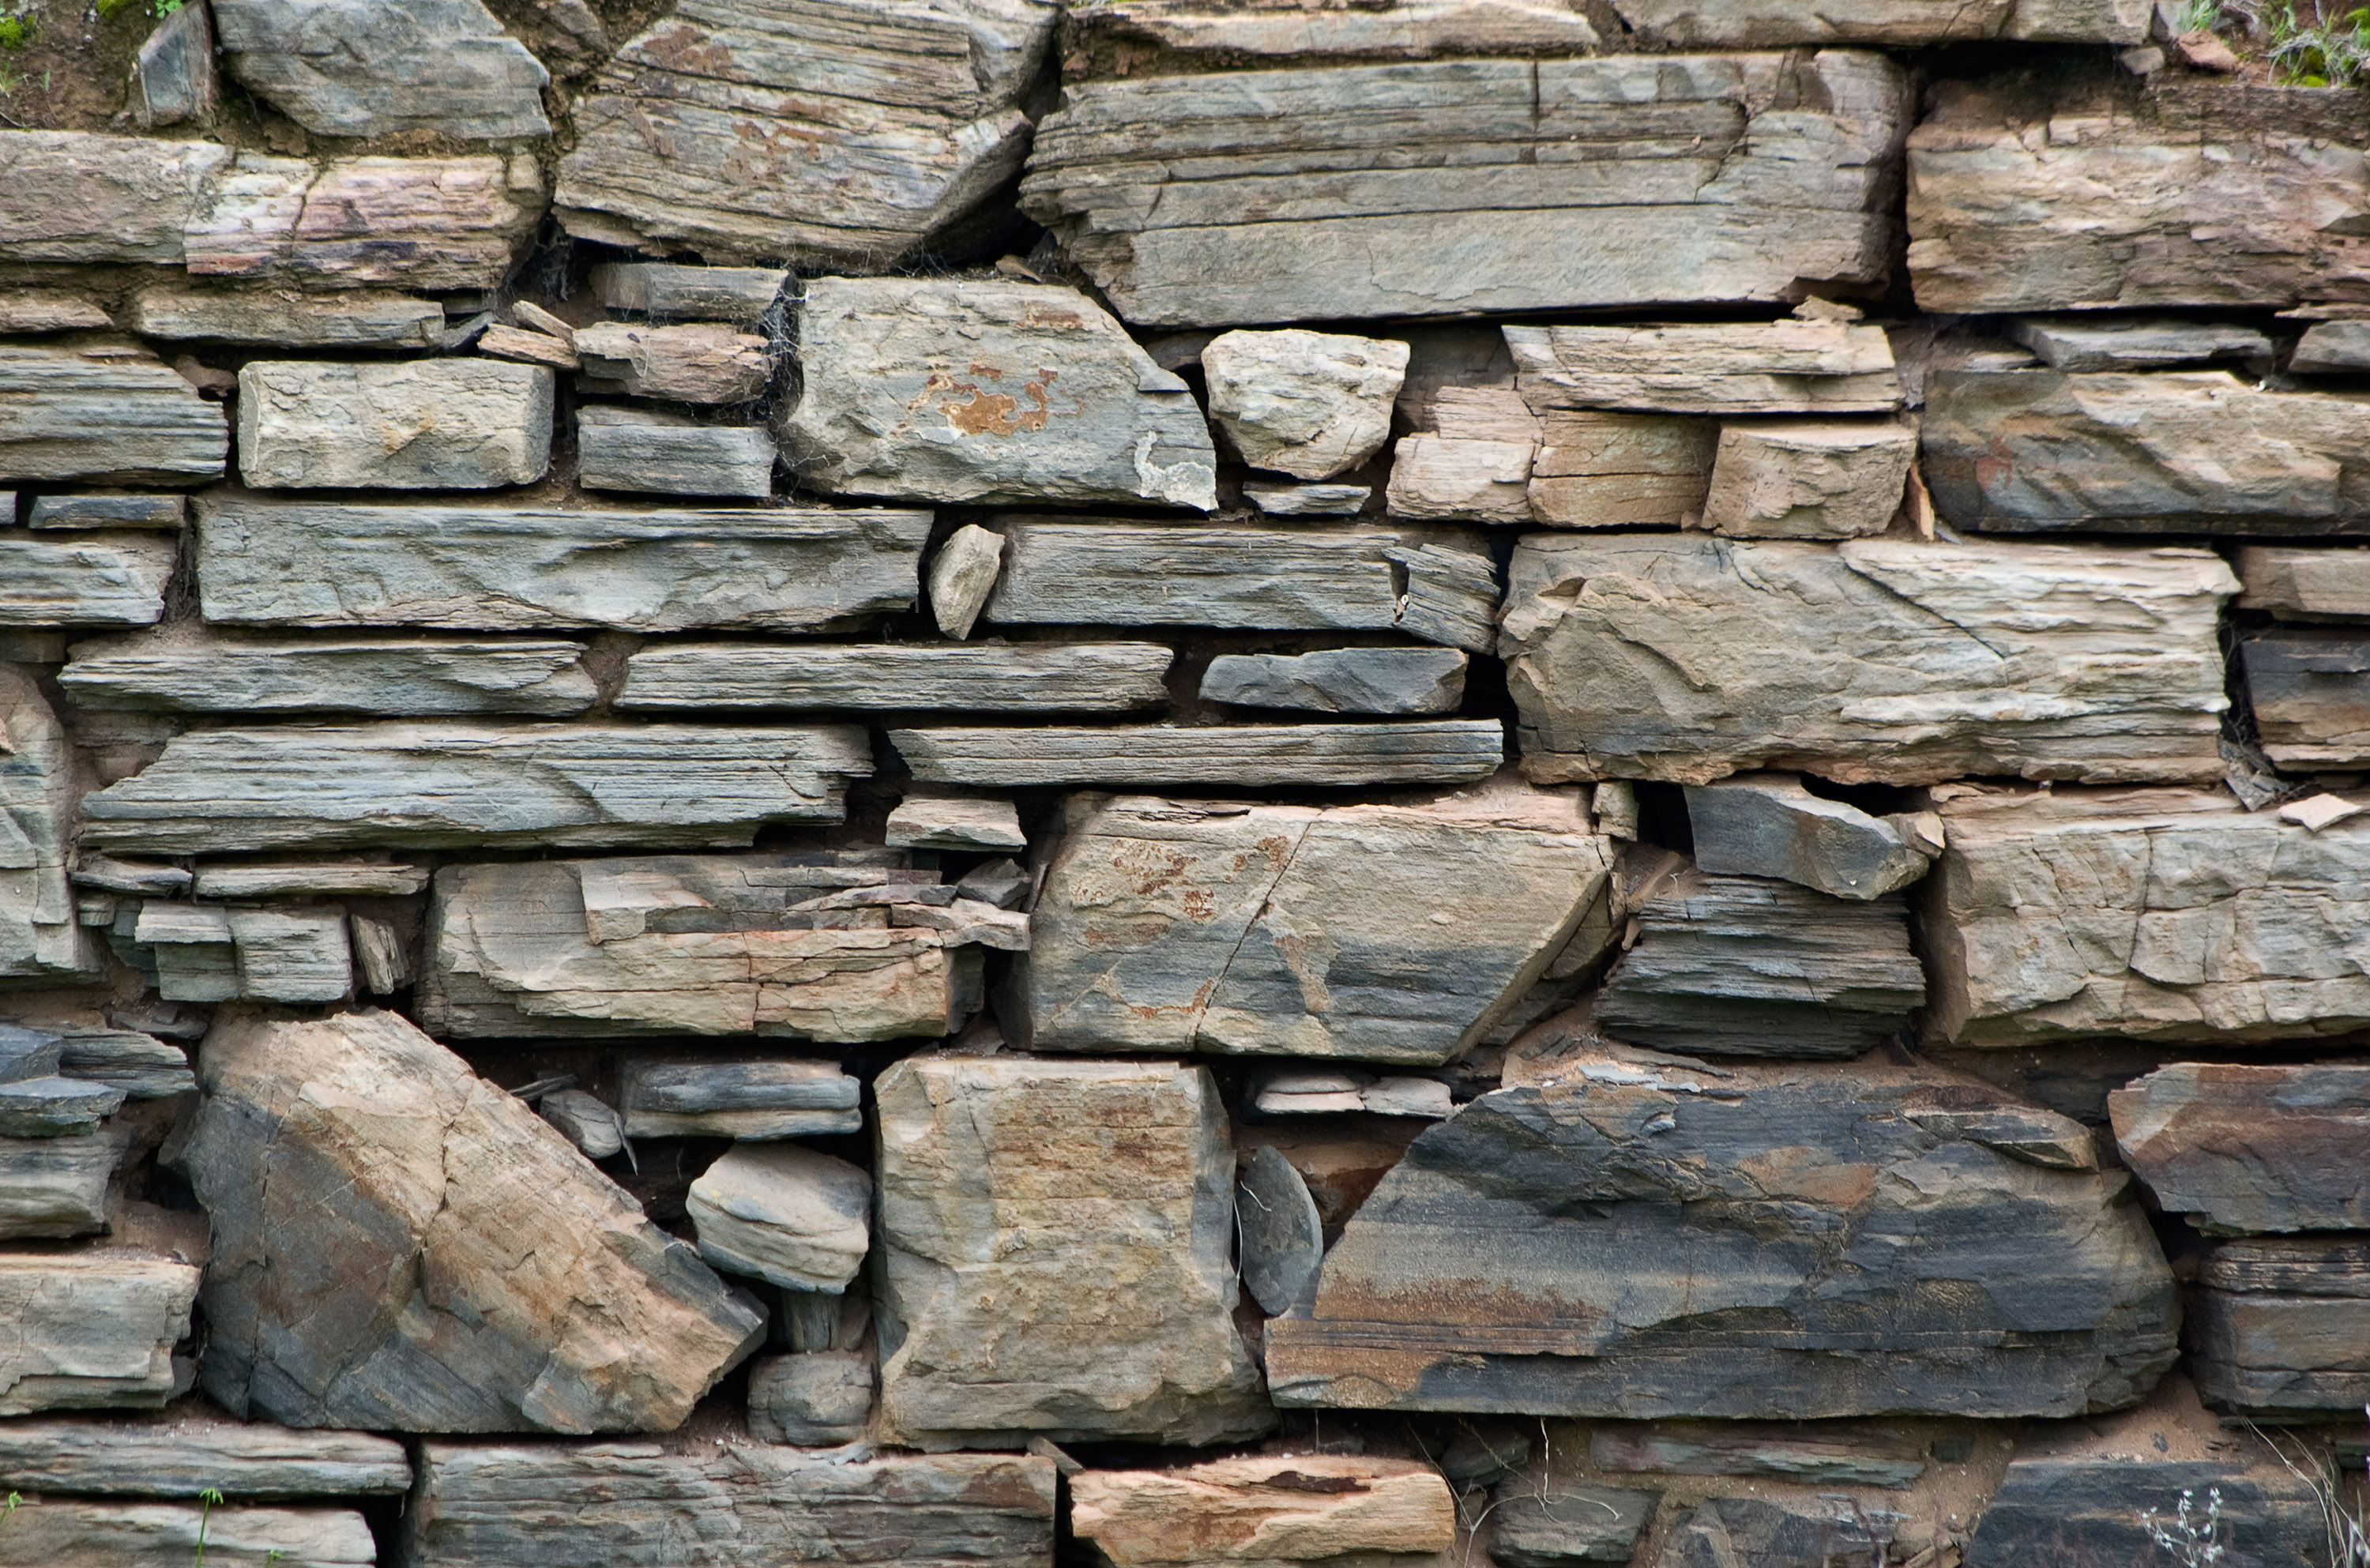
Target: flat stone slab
2305 582
663 454
1439 751
141 1066
2278 1327
356 68
109 510
1111 38
1055 403
321 786
1771 367
761 1099
702 362
1329 1506
950 822
340 675
1383 189
665 292
2163 937
103 408
1344 680
1768 824
2239 1148
71 1533
1857 1458
58 1186
181 1456
1379 933
758 1506
1640 1257
182 310
419 424
2309 687
498 569
91 1327
1779 24
2078 343
85 580
1685 658
1021 678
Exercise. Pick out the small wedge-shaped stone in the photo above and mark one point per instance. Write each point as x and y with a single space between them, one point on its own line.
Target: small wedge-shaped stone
86 580
1770 367
380 68
2305 583
1688 658
757 1507
1381 933
1265 1510
1384 190
484 1278
1569 1528
1809 479
815 131
1308 404
173 78
90 1328
419 222
427 785
102 408
1443 477
940 821
1852 1456
749 1101
1601 470
285 315
668 292
817 1399
2332 348
699 362
2309 687
2199 451
2051 191
1116 1320
495 569
39 936
58 1186
1768 824
1749 966
784 1215
2170 914
106 509
62 1532
1635 1239
183 1456
421 424
2278 1326
2238 1148
662 454
993 391
1779 24
2081 343
1436 751
336 675
962 574
141 1066
1109 38
684 945
1341 680
1279 1236
1019 677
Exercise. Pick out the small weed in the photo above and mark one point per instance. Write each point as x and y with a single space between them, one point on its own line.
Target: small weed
2191 1540
209 1500
9 1507
2307 43
18 25
160 9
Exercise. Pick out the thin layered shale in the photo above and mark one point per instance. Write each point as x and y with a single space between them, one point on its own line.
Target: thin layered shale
1173 783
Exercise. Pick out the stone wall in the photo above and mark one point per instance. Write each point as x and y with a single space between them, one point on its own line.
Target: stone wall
1181 782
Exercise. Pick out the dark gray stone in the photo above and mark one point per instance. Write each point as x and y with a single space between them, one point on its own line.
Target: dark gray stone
110 511
1281 1240
2340 348
56 1107
141 1066
2076 343
1768 1533
378 68
2311 687
2281 1328
816 1399
2089 1508
738 1100
173 78
1341 680
27 1053
638 449
58 1186
1816 1458
1768 824
1534 1526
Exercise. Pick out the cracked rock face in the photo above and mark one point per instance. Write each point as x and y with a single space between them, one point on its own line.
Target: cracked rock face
476 1273
37 933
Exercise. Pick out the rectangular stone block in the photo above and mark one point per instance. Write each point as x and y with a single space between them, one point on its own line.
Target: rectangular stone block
494 569
668 292
1777 24
183 1458
2281 1327
103 408
1114 37
351 318
214 675
1385 190
58 1186
108 510
2310 691
416 424
1432 751
457 785
1771 367
85 580
699 361
1021 678
661 1099
64 1532
2305 583
1688 658
1809 478
2158 915
1377 933
141 1066
1597 469
2238 1148
662 453
90 1328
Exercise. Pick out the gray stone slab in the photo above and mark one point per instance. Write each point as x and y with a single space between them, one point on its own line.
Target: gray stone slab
2305 582
416 424
2063 1498
29 1052
818 1398
701 361
1439 751
941 821
2082 343
85 580
791 1217
1770 367
37 310
1055 403
1307 500
427 785
173 78
311 878
1111 38
40 937
2333 348
760 1100
1021 678
179 310
336 675
2277 1329
2309 687
1772 1532
495 569
52 1187
369 68
1341 680
62 1532
1768 824
103 408
662 453
56 1107
2239 1148
1572 1525
141 1066
1384 190
1849 1457
1777 24
103 510
182 1455
665 292
90 1328
1279 1237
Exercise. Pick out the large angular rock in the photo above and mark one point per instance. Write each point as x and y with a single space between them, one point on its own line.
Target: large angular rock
654 453
173 78
820 134
419 222
376 68
178 309
1267 1510
786 1215
86 580
687 945
993 391
1727 965
496 569
91 1327
1308 404
337 675
2159 914
1639 1239
1373 190
39 936
1779 24
2279 1327
320 787
2193 451
2309 687
1768 824
1115 1319
757 1506
181 1457
1380 933
105 410
2051 191
1341 680
1436 751
71 1533
1239 575
58 1186
1871 661
476 1273
1770 367
419 424
2241 1147
1809 478
1021 677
